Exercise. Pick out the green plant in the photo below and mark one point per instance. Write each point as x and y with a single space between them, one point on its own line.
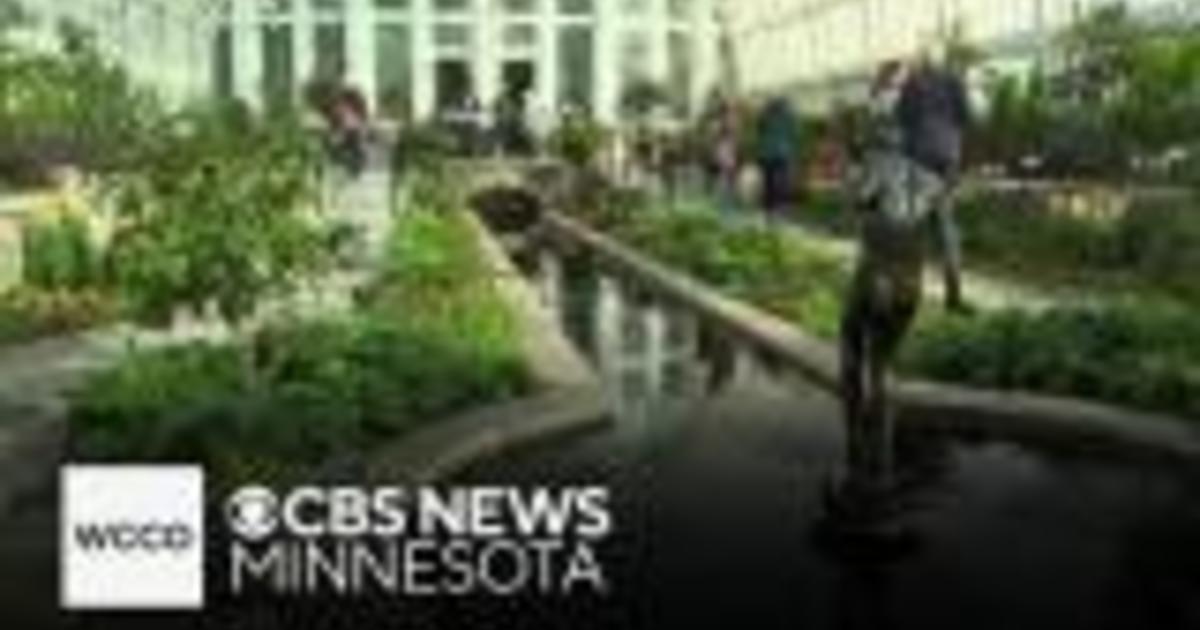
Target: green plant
1149 249
73 107
27 314
1129 354
432 337
58 253
1143 354
205 227
578 141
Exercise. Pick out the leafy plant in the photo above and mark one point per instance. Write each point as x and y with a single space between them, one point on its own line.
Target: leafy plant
432 338
1129 354
58 253
27 314
206 227
578 141
1137 354
69 107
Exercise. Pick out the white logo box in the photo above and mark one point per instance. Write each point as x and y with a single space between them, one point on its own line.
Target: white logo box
131 537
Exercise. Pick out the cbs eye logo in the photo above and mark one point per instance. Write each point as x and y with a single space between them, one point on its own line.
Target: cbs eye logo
253 513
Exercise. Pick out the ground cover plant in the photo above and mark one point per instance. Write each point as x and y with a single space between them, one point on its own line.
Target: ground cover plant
60 290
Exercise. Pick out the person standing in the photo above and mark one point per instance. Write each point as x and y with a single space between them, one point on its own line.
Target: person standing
726 163
933 114
350 126
778 143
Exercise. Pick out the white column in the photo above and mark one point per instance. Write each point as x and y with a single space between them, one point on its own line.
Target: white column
660 60
424 57
705 53
546 59
247 52
304 57
609 325
485 57
608 86
360 42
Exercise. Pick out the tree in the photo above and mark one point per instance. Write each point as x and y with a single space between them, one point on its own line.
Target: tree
1098 51
220 218
72 106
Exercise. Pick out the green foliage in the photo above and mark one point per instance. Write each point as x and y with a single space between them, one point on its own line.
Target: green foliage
1125 96
70 107
433 338
1132 355
578 141
28 314
58 253
1151 248
222 216
1018 116
437 283
778 271
321 389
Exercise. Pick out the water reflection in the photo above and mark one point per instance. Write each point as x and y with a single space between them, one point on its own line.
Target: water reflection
753 499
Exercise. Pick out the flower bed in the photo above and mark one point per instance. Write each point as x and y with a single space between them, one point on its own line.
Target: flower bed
431 338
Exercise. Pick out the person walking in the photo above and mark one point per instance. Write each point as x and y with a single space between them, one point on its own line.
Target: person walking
933 115
349 124
778 143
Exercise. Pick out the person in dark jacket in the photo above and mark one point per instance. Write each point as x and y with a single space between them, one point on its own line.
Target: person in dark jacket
933 115
778 143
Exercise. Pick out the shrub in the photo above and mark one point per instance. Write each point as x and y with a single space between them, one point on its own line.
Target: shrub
28 314
206 226
59 253
433 338
70 107
1151 248
321 389
578 141
1134 355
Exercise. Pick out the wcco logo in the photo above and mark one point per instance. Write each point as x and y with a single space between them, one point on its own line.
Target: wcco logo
132 537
